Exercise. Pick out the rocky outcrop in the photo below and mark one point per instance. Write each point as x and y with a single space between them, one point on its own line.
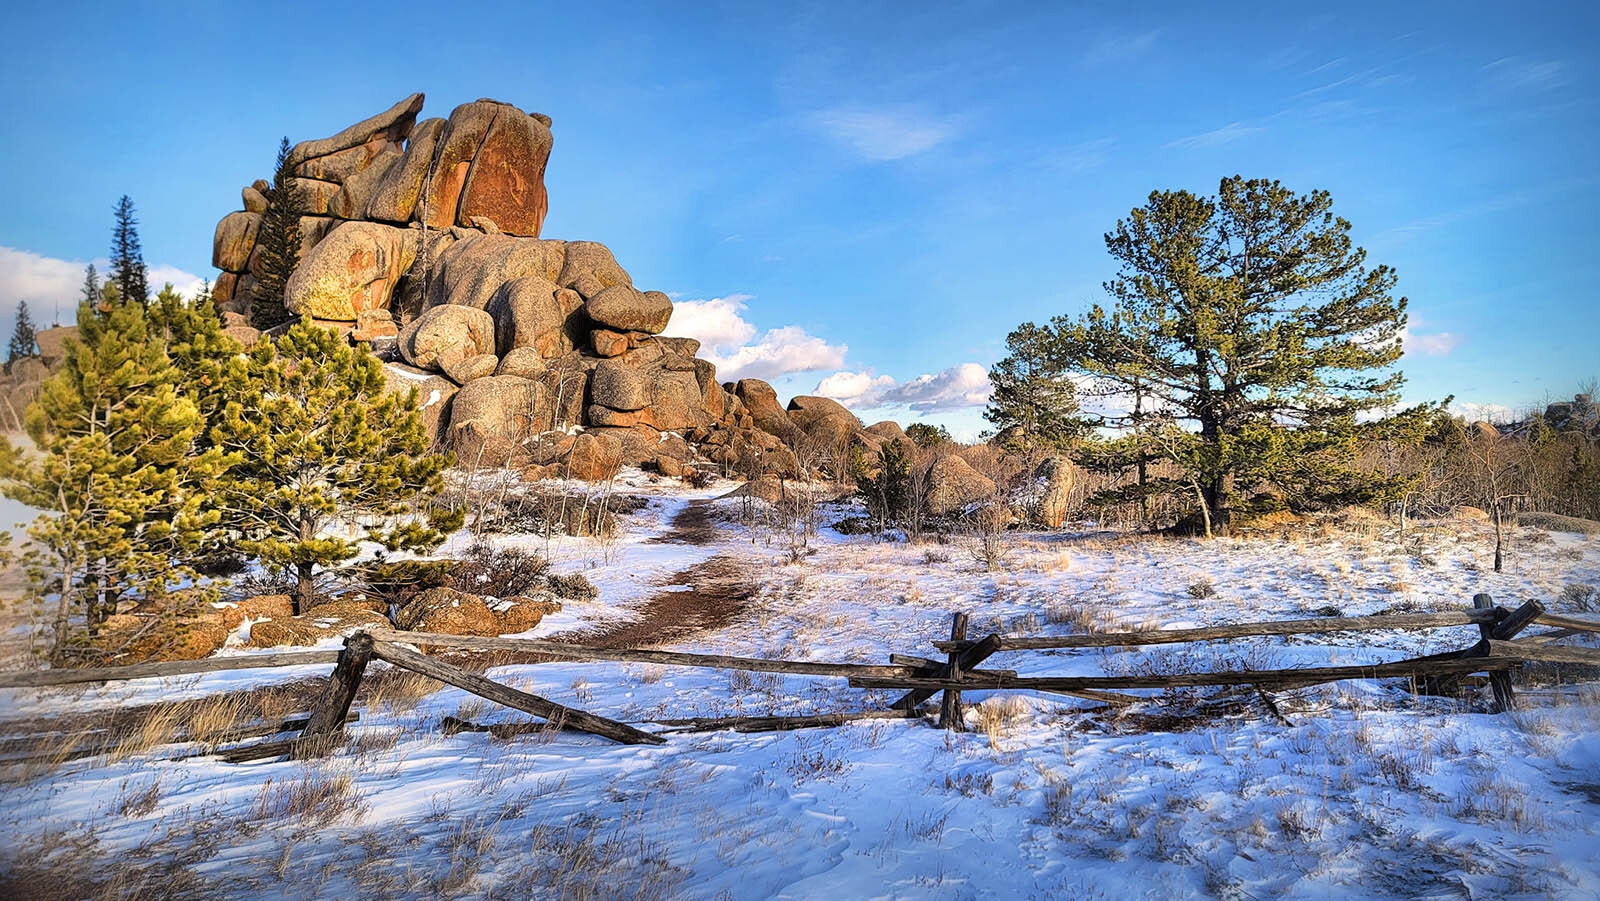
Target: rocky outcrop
424 237
1055 477
952 484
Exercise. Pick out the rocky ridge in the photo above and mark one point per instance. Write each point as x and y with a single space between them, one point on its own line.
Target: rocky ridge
422 238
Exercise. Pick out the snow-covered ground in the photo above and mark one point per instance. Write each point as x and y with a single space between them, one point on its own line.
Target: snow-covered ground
1367 791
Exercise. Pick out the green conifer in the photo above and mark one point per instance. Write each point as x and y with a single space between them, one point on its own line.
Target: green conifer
278 242
322 444
128 271
24 338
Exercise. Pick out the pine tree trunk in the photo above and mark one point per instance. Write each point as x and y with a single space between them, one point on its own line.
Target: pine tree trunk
304 588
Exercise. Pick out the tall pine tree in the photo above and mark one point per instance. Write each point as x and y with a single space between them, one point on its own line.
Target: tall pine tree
118 474
91 287
278 242
322 444
128 271
1034 404
1252 324
24 337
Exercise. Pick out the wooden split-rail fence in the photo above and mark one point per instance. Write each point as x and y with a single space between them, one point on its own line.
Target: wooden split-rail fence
1501 648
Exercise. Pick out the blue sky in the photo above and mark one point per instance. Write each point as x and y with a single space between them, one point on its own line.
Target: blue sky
867 197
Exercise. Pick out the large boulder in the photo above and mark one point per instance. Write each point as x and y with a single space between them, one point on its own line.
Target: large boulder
395 197
824 420
1055 478
392 125
445 335
523 612
354 268
506 180
591 264
492 420
595 457
452 161
761 402
234 241
434 393
316 196
952 484
53 343
527 314
341 164
620 387
623 308
448 611
359 189
470 271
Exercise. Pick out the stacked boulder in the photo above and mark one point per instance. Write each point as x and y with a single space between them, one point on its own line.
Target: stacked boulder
526 352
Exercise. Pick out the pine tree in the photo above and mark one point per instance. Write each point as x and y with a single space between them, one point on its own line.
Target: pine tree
91 286
1034 404
24 338
1252 323
117 473
128 271
278 242
322 444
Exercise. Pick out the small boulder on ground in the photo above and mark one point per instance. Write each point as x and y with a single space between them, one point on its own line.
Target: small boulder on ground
953 484
448 611
521 613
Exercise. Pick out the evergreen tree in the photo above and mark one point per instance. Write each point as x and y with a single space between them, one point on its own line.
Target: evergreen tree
117 473
24 338
927 435
1253 324
887 489
1034 404
278 242
128 271
91 286
321 443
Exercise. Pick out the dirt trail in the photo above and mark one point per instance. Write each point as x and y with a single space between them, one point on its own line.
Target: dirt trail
706 596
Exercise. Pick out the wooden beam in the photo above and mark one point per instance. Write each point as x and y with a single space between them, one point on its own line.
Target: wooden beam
1242 630
1499 682
556 649
1569 622
780 723
969 659
329 715
557 715
1520 619
1545 653
1309 676
950 708
67 676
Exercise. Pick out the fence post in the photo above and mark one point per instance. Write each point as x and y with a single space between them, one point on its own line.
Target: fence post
328 717
950 709
1499 680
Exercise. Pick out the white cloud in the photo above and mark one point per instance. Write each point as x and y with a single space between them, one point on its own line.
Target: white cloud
1433 345
52 287
886 134
862 389
715 323
1227 134
960 387
1483 412
964 385
726 340
49 286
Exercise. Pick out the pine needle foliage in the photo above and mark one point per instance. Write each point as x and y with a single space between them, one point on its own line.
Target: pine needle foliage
24 337
1259 336
278 242
117 473
323 445
128 271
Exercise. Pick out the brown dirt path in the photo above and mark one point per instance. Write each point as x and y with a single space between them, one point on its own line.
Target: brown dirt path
706 596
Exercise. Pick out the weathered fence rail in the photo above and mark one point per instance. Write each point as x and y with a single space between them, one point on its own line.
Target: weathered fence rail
1496 653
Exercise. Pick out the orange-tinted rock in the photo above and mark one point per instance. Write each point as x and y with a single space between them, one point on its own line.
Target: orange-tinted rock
316 195
506 180
625 309
358 190
445 335
234 241
340 165
354 268
392 125
607 343
469 124
396 197
266 606
595 457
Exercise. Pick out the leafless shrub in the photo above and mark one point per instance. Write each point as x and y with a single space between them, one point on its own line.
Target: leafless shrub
501 571
315 799
1202 588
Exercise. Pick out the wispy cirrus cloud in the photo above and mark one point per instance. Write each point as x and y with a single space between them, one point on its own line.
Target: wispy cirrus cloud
1524 74
1119 48
1227 134
885 134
